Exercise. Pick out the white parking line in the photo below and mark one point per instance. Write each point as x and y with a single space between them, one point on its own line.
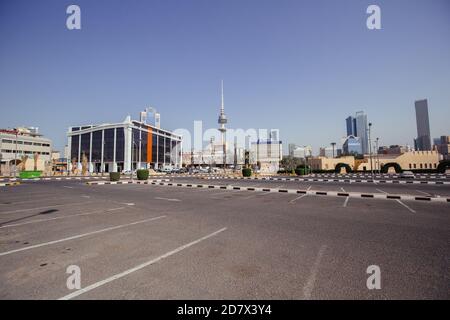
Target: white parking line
346 202
167 199
309 286
379 190
309 188
79 236
298 198
425 193
342 189
57 218
138 267
47 207
413 211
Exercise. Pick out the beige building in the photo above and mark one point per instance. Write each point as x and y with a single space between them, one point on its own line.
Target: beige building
411 160
23 145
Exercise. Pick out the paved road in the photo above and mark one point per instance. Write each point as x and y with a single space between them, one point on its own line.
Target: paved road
157 242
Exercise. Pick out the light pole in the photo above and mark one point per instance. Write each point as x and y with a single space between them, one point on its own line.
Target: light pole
370 150
15 158
378 157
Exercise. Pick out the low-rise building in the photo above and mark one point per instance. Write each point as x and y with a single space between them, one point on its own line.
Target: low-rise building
24 149
411 160
122 146
267 154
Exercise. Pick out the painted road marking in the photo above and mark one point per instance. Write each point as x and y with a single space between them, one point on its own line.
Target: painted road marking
346 202
138 267
57 218
309 286
79 236
379 190
413 211
167 199
298 198
425 193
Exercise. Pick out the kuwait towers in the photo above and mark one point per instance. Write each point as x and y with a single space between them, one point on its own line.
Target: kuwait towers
222 121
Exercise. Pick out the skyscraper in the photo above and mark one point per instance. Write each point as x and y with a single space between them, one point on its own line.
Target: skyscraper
423 141
351 126
361 130
357 127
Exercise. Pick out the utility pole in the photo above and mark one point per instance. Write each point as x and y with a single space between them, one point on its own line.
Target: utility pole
15 158
370 150
378 157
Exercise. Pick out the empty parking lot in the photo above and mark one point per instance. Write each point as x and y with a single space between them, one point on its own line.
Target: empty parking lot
160 242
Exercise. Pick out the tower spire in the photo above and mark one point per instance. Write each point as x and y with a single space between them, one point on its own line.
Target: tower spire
222 111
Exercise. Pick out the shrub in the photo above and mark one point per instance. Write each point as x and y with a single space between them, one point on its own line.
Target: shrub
142 174
114 176
246 172
300 171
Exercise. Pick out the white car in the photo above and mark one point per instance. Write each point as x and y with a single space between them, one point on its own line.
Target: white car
407 175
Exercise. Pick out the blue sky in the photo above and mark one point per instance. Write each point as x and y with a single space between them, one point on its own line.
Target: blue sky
299 66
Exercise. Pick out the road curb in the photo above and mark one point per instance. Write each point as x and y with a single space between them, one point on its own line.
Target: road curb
335 180
295 191
100 183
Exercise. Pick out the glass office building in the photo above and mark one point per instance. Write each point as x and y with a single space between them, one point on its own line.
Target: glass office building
124 146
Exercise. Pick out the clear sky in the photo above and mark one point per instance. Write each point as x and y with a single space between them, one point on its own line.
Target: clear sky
296 65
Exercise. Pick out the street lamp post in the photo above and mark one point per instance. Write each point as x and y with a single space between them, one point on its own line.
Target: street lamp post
377 155
370 150
15 158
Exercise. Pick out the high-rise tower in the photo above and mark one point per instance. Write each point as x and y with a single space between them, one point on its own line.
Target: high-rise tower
423 141
222 121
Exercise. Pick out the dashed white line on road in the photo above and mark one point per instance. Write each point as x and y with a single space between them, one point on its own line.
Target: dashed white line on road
412 210
138 267
79 236
309 286
168 199
298 198
68 187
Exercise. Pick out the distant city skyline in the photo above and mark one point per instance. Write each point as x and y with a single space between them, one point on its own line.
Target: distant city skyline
299 66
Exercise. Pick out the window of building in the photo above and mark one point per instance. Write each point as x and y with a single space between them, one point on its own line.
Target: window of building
109 145
28 143
421 166
97 146
410 166
7 141
415 166
85 145
120 145
74 148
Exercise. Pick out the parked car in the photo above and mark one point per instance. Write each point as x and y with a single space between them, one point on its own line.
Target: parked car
407 175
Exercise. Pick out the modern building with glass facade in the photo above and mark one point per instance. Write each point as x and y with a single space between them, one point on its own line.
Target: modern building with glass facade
124 146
